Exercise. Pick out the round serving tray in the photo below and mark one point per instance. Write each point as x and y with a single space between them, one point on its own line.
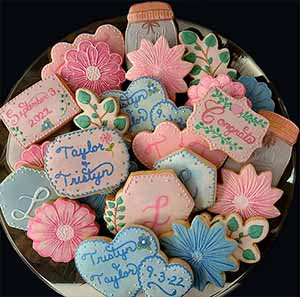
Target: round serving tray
64 278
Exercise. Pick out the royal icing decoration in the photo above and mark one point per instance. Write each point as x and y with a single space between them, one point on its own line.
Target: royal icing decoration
258 93
222 81
205 55
33 156
150 198
117 267
93 66
147 104
160 62
105 33
158 278
85 162
196 173
167 138
39 111
228 124
95 114
58 227
206 249
21 193
149 21
247 193
246 234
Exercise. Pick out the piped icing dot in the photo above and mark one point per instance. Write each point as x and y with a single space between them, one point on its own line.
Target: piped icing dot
241 202
93 73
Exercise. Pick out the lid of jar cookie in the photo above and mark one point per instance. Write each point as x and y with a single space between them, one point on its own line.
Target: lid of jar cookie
150 11
281 126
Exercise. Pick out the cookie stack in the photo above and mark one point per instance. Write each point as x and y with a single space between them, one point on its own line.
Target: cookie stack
145 189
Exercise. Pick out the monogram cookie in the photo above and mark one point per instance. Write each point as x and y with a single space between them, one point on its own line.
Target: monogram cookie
150 198
23 191
86 162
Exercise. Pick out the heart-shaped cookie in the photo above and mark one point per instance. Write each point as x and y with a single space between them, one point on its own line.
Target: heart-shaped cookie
158 278
147 104
111 267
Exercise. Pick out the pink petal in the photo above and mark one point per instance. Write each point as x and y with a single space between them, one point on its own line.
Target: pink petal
83 60
103 54
74 68
47 247
44 148
206 81
39 231
71 56
83 217
223 79
63 253
48 215
87 231
109 69
65 210
115 58
84 45
92 54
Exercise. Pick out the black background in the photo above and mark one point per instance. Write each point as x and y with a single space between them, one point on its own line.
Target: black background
267 30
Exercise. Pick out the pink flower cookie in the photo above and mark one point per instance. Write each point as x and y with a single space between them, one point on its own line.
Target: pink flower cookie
33 156
160 62
222 81
247 193
105 33
150 147
59 227
94 67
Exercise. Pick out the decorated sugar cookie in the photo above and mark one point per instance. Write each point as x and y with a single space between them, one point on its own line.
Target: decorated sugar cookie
39 111
147 104
85 162
205 55
150 198
277 148
228 124
196 173
131 263
247 193
58 228
246 233
33 156
223 81
93 66
258 93
149 20
95 114
105 33
23 191
167 138
207 250
161 62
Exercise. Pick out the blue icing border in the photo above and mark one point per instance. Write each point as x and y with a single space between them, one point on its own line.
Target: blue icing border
29 184
108 190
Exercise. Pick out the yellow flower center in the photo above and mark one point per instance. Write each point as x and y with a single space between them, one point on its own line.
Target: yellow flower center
65 232
241 202
93 73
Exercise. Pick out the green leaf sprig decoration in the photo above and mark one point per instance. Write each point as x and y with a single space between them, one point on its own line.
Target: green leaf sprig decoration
246 233
208 59
95 114
113 215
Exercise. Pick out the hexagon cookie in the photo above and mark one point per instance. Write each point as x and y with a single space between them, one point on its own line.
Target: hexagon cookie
198 175
154 199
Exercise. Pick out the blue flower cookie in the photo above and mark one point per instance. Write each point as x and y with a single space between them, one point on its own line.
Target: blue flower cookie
206 249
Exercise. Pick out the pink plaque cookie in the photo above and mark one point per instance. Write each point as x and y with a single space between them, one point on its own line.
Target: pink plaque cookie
105 33
150 147
228 124
88 161
154 199
39 111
